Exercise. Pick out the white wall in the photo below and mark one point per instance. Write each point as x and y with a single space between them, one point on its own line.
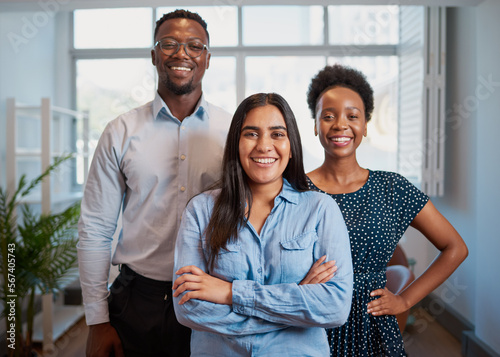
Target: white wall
487 168
460 203
27 67
472 194
473 164
34 63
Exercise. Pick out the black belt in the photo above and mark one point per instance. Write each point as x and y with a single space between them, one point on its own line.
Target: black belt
128 273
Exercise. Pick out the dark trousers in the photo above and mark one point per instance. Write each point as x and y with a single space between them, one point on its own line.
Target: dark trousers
142 312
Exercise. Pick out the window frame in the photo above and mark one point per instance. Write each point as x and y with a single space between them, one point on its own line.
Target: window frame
241 52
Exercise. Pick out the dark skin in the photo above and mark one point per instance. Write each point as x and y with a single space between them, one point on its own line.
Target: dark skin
179 69
175 71
103 340
341 124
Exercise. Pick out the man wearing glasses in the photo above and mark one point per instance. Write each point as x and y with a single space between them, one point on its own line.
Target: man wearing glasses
149 162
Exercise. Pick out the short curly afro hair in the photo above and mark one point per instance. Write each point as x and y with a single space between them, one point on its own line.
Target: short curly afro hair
340 76
181 14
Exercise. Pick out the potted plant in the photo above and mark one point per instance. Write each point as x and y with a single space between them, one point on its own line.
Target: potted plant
36 251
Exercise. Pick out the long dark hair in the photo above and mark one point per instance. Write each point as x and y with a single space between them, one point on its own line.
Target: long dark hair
228 215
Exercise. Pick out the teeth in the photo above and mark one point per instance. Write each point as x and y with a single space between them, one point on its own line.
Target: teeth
181 69
341 140
264 161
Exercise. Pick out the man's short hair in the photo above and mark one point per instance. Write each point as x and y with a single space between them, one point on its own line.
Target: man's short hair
182 14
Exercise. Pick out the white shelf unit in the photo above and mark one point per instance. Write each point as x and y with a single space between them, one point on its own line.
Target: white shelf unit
55 317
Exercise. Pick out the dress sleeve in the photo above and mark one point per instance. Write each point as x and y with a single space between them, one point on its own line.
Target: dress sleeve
408 201
304 305
98 220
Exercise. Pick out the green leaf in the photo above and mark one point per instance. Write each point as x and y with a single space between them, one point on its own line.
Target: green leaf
45 245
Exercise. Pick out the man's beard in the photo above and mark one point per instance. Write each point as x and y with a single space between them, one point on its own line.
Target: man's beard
176 89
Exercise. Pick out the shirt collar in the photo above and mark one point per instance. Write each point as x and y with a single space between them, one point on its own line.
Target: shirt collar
287 193
161 109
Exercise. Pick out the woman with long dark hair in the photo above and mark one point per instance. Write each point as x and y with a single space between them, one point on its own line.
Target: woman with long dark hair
253 256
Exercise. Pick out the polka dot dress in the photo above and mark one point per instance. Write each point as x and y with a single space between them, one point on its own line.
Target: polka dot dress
376 216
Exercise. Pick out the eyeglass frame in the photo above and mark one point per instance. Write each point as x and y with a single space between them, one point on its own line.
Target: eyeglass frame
205 47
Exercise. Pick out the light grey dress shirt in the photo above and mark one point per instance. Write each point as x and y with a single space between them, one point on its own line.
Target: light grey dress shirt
147 164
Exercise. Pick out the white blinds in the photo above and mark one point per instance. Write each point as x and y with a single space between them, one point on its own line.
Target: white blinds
421 97
434 101
411 78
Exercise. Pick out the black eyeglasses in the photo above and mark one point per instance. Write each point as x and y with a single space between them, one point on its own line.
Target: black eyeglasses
170 47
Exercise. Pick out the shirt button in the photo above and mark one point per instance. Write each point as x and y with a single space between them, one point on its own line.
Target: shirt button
183 128
183 189
183 157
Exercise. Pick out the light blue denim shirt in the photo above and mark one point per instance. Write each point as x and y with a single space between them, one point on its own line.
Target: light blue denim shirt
147 164
271 315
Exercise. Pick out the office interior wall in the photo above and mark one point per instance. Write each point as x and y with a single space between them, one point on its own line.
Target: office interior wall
28 66
488 171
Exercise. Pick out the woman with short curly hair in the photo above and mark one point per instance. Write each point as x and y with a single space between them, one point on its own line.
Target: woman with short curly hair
378 207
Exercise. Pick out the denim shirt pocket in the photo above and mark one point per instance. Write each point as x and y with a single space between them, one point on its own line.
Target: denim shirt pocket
297 256
228 264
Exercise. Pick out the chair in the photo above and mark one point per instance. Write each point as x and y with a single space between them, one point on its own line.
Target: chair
399 257
399 276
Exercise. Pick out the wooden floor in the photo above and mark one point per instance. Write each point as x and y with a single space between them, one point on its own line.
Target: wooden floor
71 344
423 338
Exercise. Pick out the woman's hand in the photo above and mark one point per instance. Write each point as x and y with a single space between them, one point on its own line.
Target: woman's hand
319 272
202 286
386 304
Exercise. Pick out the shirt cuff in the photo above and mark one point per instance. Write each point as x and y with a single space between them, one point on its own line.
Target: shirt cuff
96 312
243 297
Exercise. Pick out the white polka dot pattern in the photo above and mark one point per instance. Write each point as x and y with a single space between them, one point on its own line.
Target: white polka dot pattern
376 216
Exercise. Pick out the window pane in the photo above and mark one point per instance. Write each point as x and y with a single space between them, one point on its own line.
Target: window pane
363 25
289 77
107 88
378 150
219 83
282 25
113 28
222 22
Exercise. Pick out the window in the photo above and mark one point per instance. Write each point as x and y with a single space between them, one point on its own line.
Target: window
254 48
110 28
108 87
363 25
282 25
